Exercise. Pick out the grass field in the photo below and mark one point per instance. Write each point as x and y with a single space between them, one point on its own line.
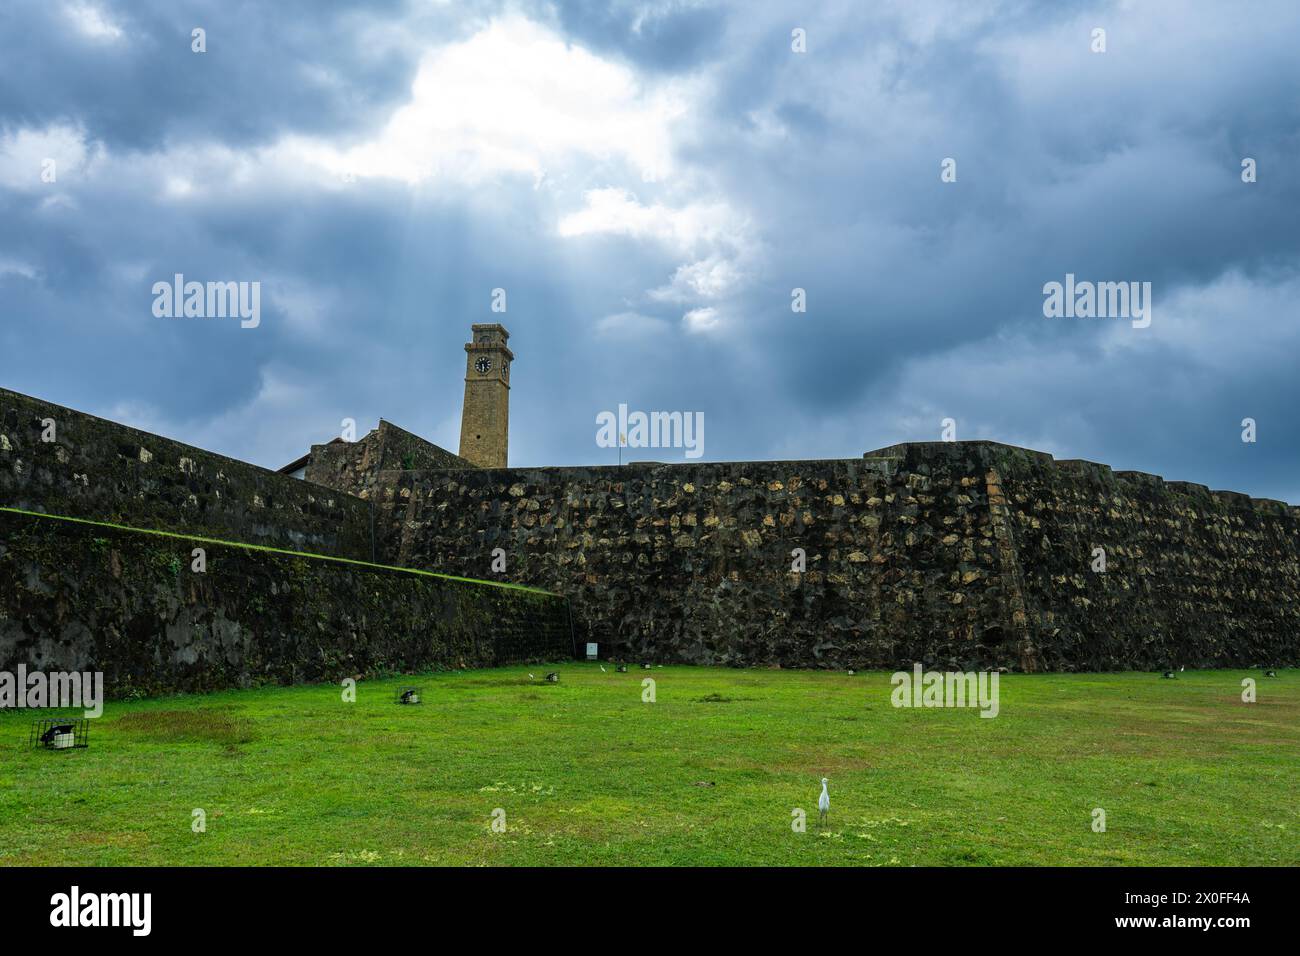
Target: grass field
708 774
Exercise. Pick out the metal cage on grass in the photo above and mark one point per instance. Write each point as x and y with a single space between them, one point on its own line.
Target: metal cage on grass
59 733
410 695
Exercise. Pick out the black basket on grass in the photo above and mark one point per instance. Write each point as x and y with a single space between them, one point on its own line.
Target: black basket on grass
59 733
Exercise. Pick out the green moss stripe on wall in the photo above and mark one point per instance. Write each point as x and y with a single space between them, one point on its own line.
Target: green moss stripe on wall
267 548
64 462
91 596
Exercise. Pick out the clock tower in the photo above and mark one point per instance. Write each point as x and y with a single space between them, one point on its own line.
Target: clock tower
485 421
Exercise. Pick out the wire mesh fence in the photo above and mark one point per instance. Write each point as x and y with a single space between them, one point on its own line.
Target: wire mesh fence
539 629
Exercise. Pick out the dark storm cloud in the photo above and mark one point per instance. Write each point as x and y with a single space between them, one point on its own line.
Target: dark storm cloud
296 64
1116 177
664 35
816 170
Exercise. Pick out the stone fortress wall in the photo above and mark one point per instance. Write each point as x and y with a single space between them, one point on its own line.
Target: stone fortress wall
1193 577
114 589
77 597
98 469
961 554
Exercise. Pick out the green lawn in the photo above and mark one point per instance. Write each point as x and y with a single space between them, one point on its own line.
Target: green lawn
709 774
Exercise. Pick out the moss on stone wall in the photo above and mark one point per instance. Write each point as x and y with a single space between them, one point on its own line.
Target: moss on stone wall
957 554
694 562
82 597
1192 576
105 471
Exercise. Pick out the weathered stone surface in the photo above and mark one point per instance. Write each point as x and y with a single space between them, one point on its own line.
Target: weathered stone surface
104 471
962 554
715 586
959 554
1193 576
352 466
82 597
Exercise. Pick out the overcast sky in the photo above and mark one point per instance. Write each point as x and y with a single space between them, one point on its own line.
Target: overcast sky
649 181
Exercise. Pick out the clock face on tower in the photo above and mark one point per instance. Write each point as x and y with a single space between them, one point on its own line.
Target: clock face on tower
483 365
